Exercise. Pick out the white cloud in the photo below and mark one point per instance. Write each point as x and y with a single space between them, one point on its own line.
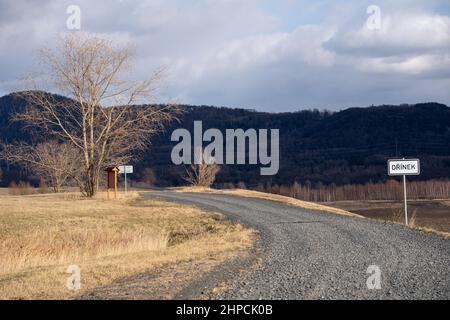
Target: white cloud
423 64
239 53
399 34
411 44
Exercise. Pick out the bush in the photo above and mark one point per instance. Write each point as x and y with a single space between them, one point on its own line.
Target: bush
241 185
26 189
43 187
13 189
228 185
148 177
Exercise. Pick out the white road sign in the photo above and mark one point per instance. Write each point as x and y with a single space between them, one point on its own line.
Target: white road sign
404 167
126 169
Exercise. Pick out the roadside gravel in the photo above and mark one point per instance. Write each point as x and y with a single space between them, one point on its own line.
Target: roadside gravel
307 254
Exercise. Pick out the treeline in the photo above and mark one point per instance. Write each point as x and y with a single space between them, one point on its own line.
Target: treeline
346 147
390 190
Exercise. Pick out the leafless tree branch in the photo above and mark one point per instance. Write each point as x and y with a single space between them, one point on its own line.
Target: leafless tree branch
103 118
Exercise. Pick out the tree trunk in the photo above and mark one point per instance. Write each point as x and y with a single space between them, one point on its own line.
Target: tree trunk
91 182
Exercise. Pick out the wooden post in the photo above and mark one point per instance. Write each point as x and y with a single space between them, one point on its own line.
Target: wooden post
115 184
112 173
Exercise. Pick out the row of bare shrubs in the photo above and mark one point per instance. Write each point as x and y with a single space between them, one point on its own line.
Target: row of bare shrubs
25 188
390 190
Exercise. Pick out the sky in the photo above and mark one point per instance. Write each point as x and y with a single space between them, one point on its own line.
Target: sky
275 56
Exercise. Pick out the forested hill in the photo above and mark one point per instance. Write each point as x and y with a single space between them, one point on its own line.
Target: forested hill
350 146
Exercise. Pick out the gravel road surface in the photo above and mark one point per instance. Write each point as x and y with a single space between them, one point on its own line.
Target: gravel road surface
308 254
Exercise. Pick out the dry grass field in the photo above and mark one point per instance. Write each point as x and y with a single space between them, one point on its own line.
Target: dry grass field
41 235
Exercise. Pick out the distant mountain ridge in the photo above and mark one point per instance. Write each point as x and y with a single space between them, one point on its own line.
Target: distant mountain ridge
348 146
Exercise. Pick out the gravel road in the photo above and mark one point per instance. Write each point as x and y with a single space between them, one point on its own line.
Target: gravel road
316 255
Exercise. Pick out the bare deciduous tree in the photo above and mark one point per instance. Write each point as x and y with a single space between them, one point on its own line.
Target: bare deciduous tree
55 163
204 173
102 120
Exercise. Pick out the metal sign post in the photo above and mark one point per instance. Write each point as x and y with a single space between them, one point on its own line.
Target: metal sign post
404 167
125 170
404 197
126 182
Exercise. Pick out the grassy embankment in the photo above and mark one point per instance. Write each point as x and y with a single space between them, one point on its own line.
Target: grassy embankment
40 236
268 196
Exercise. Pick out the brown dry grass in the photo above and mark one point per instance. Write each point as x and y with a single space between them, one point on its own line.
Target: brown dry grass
398 216
269 196
40 236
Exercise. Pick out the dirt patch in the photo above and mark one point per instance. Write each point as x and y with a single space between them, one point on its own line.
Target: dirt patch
197 279
433 214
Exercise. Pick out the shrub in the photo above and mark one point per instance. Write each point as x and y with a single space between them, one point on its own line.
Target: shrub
13 189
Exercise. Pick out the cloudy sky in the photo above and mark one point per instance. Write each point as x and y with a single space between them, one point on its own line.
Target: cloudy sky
282 55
